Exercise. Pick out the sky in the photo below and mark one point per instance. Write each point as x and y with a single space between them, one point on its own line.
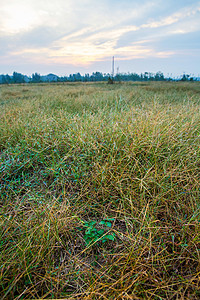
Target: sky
70 36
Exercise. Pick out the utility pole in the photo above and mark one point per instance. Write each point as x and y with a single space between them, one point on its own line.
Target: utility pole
111 78
113 67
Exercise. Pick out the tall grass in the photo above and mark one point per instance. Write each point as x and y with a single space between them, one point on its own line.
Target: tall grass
76 153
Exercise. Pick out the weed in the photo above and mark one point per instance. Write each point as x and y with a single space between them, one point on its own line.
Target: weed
94 234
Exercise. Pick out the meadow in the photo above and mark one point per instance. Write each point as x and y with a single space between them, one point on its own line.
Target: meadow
100 194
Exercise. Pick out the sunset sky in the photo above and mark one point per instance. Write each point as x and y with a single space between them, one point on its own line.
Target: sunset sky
69 36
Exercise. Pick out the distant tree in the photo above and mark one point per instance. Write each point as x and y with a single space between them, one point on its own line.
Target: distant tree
77 77
159 76
151 76
86 77
97 76
134 77
145 76
18 78
118 77
36 78
106 76
6 79
185 77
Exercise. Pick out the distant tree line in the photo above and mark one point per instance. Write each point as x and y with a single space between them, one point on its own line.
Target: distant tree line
94 77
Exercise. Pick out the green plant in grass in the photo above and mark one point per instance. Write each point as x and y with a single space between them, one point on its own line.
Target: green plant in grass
98 232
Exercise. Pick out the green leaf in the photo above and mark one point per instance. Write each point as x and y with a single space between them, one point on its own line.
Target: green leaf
102 222
88 230
108 224
110 237
92 222
101 232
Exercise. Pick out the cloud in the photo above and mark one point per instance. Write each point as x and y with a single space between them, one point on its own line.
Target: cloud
84 32
153 32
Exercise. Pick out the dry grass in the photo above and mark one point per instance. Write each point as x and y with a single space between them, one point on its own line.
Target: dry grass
75 153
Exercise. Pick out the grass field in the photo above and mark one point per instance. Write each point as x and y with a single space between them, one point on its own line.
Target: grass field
100 193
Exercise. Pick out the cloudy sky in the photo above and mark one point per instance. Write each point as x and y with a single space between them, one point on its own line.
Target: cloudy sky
69 36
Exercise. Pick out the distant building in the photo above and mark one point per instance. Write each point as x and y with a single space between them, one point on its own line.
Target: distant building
49 78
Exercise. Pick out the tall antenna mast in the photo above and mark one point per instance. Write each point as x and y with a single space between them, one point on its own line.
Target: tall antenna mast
113 67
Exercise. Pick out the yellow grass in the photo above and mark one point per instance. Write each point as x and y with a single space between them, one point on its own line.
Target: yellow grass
126 157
